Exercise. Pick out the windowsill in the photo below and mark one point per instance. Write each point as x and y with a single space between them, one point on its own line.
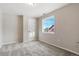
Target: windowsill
48 32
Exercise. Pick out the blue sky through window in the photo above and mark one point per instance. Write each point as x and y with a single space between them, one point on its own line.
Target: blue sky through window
48 22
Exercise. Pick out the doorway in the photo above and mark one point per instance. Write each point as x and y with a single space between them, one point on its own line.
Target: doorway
20 28
31 29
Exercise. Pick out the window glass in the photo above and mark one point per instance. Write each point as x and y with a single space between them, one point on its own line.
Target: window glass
48 24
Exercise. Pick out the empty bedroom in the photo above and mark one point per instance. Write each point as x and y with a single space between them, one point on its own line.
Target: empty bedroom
39 29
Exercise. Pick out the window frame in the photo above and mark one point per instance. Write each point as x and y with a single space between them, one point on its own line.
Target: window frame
54 24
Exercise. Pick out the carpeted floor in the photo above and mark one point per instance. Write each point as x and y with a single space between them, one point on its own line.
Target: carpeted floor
33 48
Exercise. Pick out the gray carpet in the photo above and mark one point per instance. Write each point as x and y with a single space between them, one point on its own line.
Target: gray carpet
33 48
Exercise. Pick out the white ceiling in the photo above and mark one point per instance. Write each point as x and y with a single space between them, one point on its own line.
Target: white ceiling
38 9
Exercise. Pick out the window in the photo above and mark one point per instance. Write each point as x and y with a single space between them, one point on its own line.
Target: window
48 24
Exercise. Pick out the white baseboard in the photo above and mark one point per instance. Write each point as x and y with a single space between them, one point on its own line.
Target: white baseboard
63 48
8 43
66 49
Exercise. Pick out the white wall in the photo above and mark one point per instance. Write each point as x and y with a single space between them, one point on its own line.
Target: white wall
1 35
67 28
9 19
9 28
